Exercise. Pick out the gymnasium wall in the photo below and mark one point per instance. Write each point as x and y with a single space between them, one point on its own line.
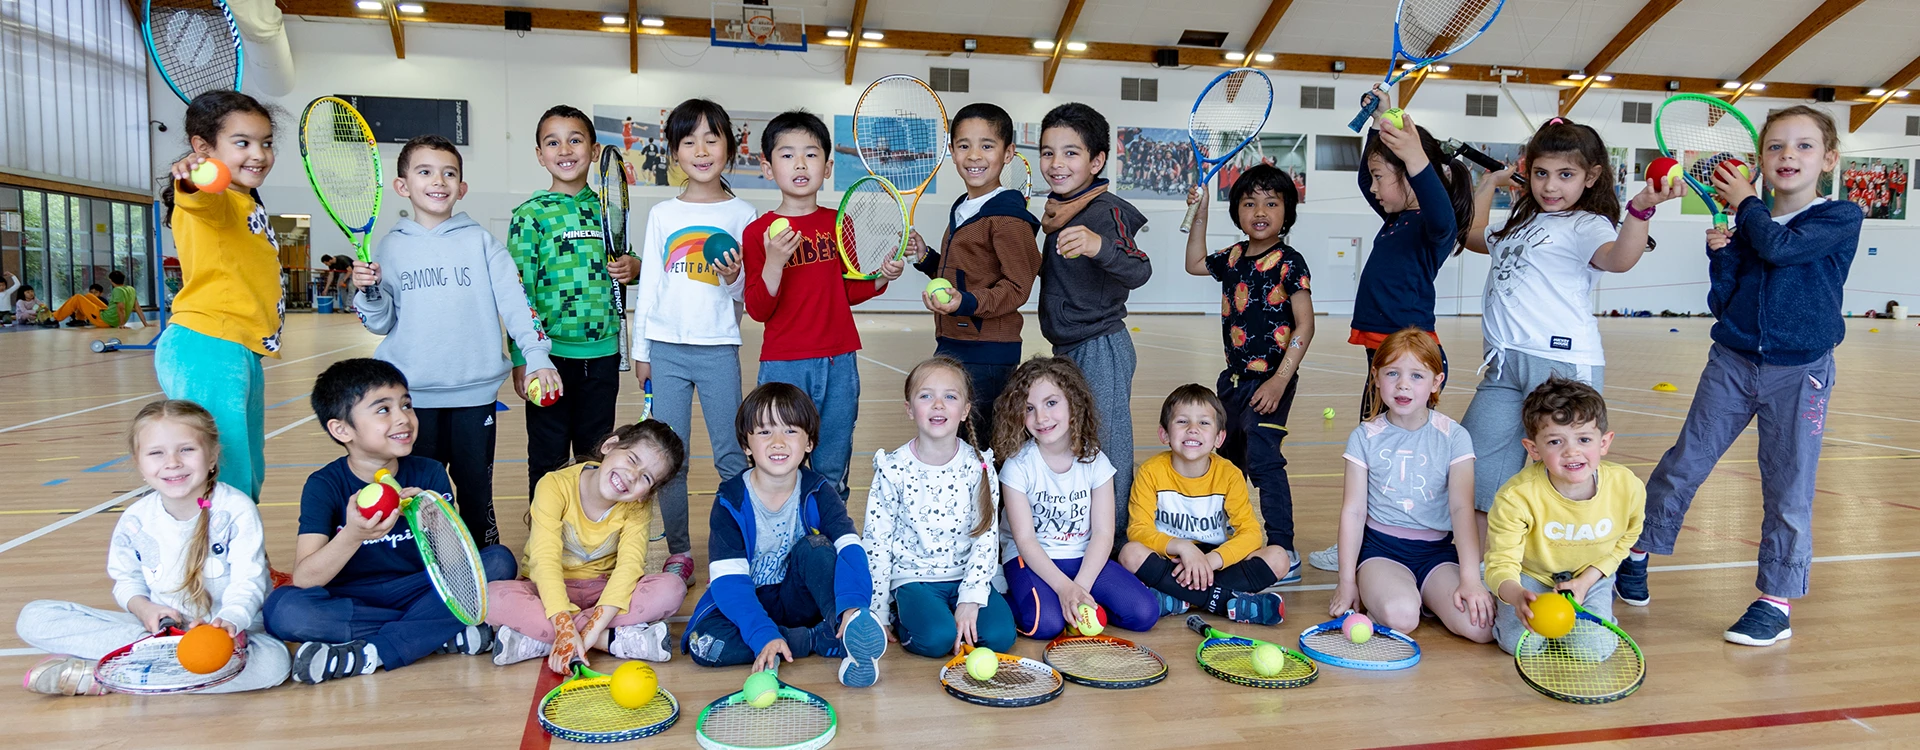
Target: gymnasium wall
511 79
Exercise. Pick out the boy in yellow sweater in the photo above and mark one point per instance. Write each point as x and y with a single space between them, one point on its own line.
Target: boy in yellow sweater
1567 512
1191 533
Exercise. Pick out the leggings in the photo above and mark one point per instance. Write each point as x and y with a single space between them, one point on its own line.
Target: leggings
227 379
1036 608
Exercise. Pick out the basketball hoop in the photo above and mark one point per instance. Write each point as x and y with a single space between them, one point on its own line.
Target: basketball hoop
760 29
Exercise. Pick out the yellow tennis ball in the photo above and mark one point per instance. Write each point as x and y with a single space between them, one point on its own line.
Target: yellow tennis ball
983 664
634 684
1091 621
779 225
941 289
1267 660
1358 627
1396 116
1327 413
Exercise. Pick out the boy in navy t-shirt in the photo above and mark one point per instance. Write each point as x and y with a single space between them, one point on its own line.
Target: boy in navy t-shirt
360 597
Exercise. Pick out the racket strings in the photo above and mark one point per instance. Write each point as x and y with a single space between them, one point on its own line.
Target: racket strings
900 128
196 44
588 706
340 153
450 548
872 224
1435 28
154 665
613 196
1692 125
1590 662
1105 661
1236 659
1380 648
788 721
1015 680
1232 110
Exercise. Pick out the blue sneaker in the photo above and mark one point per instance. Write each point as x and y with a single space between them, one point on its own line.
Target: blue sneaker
1170 605
1762 625
1258 609
1630 582
865 641
1293 570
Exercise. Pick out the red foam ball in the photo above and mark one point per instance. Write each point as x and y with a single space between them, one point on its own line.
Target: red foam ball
211 176
377 498
1661 170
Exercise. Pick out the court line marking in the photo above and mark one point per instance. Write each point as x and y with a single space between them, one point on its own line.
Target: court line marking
1669 729
865 358
69 520
45 420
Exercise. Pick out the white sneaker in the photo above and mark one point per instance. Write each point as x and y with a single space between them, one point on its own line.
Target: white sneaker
645 642
1327 559
512 646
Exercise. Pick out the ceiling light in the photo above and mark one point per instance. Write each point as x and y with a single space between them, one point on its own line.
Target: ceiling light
653 22
1901 94
1576 76
368 5
1758 86
1442 68
1406 66
1877 92
614 20
1076 46
1603 78
1234 57
872 36
414 8
1263 57
1730 85
836 33
1043 44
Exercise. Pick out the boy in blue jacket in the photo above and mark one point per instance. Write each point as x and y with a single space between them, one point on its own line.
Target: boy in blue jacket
1777 291
789 577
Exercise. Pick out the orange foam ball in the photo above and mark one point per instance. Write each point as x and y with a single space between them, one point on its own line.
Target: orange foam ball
204 649
211 176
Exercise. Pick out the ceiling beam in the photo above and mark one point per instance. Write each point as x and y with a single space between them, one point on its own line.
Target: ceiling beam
1648 15
853 35
633 36
1261 32
1409 85
399 34
1859 113
1067 21
1819 19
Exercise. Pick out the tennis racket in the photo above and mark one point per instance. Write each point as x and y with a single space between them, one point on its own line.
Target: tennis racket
1018 175
1105 662
1594 663
872 227
1018 683
1709 131
1387 650
1227 116
582 709
611 185
900 128
1230 658
151 665
797 720
196 46
1424 32
1454 147
344 166
453 562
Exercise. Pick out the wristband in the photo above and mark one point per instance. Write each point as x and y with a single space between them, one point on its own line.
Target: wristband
1641 215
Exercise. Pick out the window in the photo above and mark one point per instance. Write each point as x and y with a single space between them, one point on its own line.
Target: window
1336 153
59 257
1140 89
949 79
1316 97
1913 124
1483 105
1639 113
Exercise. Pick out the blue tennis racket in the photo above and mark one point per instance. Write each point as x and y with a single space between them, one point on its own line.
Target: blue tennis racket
1424 32
1387 650
1227 116
195 44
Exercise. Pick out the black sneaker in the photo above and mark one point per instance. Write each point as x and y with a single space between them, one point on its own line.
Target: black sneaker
315 662
1630 582
1762 625
471 640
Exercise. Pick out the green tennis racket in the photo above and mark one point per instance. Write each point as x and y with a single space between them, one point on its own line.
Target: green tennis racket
796 720
1702 132
582 709
343 164
871 228
453 561
1230 658
1594 663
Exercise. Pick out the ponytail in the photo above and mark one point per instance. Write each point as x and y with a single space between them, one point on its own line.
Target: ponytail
983 498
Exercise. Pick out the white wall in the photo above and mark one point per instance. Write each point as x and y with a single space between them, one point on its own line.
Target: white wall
510 80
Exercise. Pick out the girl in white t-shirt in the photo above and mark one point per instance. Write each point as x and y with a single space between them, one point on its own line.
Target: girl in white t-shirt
1565 231
1057 489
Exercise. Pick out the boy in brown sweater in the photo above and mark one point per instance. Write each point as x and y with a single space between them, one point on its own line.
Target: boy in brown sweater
990 256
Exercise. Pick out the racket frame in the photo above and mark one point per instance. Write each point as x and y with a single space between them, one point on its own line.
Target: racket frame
365 230
613 181
441 585
785 692
848 253
153 51
1580 613
1396 74
167 638
1379 631
1022 169
1201 163
1111 684
1704 190
1217 639
584 677
941 141
955 672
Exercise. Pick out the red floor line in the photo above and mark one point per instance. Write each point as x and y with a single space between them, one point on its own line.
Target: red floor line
534 736
1644 731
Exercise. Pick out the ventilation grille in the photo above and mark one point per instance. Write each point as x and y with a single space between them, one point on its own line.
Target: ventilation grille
953 80
1140 89
1316 97
1483 105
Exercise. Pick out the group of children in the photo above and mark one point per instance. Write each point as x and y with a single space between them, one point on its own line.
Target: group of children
1017 501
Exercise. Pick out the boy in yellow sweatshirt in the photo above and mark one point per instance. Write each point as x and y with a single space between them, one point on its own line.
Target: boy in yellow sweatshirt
1192 536
1567 512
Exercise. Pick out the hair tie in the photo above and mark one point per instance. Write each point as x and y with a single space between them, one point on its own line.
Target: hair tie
1554 121
205 503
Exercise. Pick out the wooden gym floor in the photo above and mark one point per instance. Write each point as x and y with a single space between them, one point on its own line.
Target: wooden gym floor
1844 680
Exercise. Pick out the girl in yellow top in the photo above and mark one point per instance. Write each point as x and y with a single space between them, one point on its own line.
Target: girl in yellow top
228 312
585 557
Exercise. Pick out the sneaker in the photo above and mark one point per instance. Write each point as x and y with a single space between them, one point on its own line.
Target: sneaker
646 642
1170 605
680 565
317 662
1630 582
1257 609
471 640
512 647
865 641
1293 570
1327 559
1762 625
61 674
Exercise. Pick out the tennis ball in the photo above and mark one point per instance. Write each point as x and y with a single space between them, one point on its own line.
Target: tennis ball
1552 616
1093 619
779 225
211 176
941 289
1357 627
377 498
1267 660
982 664
1661 170
1327 413
537 393
634 684
762 689
386 477
1739 167
204 649
1396 116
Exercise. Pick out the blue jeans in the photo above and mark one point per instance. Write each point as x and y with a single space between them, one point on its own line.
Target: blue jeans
923 619
680 372
403 617
834 385
226 379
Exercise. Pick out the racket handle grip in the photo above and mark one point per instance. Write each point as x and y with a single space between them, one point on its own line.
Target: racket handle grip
1359 122
373 292
1192 212
1197 625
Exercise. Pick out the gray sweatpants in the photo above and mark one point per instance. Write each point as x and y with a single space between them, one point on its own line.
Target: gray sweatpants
67 628
1507 625
678 370
1791 403
1108 362
1493 419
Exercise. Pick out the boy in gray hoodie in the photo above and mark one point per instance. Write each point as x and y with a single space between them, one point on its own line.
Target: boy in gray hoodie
453 289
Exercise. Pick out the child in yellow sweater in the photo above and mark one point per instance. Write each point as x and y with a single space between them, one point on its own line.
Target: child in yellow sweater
586 556
1568 512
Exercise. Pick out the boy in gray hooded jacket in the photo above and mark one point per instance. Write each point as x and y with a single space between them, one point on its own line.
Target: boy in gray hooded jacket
447 288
